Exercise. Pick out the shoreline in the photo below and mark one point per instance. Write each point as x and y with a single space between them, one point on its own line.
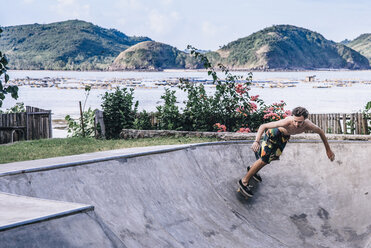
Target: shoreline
68 83
202 70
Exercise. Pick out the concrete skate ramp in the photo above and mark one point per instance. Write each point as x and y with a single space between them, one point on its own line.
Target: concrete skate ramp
32 222
186 197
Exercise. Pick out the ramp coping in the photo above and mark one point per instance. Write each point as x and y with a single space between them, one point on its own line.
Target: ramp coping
35 210
31 165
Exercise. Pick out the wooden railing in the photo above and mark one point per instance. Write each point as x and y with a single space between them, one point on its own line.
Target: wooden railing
337 123
33 124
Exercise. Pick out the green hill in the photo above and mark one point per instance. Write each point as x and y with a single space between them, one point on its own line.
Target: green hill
286 47
154 56
362 44
79 45
68 45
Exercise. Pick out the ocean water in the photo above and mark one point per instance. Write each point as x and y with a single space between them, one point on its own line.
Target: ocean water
316 100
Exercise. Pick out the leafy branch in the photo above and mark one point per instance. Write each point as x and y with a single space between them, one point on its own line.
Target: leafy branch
4 78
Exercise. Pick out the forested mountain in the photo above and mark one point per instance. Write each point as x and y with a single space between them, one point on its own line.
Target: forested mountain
68 45
80 45
286 47
362 44
151 55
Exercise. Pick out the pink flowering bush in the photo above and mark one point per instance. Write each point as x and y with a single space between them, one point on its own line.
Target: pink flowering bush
244 130
254 98
220 128
253 107
230 104
276 112
242 89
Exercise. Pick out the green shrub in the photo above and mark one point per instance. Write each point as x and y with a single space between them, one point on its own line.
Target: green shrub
169 117
17 108
74 127
198 113
367 115
85 128
4 89
119 111
143 121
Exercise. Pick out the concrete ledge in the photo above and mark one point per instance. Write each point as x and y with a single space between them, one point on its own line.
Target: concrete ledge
16 210
80 159
91 158
137 134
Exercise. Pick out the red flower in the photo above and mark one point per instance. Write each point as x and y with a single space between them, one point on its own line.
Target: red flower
241 89
253 107
221 128
244 130
254 98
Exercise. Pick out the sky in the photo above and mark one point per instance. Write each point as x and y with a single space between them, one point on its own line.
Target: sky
204 24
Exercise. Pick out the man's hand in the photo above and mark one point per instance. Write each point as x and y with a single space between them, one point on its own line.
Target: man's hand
255 146
330 155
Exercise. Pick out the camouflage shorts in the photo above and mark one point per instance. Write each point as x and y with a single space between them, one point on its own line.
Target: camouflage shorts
274 141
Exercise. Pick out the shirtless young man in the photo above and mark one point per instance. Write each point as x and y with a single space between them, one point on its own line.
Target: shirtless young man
276 135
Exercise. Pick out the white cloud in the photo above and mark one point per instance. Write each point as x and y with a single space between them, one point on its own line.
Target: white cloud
72 9
121 21
166 2
157 22
211 30
129 5
162 23
175 16
66 2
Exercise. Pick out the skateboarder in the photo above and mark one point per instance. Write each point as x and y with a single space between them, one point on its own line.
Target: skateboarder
276 135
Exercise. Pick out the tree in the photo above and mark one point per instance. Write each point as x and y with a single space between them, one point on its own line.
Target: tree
4 77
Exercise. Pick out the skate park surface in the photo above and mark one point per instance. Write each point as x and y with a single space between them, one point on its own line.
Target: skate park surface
185 196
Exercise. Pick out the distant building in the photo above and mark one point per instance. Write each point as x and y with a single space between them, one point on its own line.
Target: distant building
310 78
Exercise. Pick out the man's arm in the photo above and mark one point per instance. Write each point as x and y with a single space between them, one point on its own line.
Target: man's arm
316 129
281 123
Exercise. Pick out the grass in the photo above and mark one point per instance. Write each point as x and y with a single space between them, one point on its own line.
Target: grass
48 148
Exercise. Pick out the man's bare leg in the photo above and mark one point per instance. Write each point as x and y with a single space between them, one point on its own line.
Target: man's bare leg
253 170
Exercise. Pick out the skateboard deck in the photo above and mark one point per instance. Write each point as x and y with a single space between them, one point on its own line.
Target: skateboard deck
253 185
242 193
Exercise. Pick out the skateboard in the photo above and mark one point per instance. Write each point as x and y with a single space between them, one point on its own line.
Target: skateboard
256 177
242 193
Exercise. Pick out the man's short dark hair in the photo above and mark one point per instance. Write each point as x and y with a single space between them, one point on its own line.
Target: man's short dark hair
300 111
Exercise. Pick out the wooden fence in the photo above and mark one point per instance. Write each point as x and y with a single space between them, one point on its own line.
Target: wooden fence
355 123
33 124
100 128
